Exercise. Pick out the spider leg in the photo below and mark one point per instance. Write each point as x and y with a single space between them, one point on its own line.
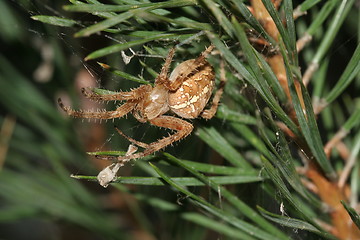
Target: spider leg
198 62
209 113
119 96
182 128
201 60
140 144
162 77
118 113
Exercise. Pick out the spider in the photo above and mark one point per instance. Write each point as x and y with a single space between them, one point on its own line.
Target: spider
185 92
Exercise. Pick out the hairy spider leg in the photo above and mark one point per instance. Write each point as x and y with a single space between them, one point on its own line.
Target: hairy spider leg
203 55
136 93
209 113
198 62
182 127
118 113
135 142
162 77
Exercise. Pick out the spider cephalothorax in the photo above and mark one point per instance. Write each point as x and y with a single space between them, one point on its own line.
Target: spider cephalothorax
185 92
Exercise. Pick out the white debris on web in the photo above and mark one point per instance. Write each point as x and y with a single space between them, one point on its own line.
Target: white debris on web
282 209
126 58
108 174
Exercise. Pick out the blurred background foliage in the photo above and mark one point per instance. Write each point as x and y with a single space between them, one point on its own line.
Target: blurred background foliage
242 147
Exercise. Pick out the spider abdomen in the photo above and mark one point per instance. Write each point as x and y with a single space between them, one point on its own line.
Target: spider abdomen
190 99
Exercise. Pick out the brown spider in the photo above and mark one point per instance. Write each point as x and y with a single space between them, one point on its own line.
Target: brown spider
185 92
